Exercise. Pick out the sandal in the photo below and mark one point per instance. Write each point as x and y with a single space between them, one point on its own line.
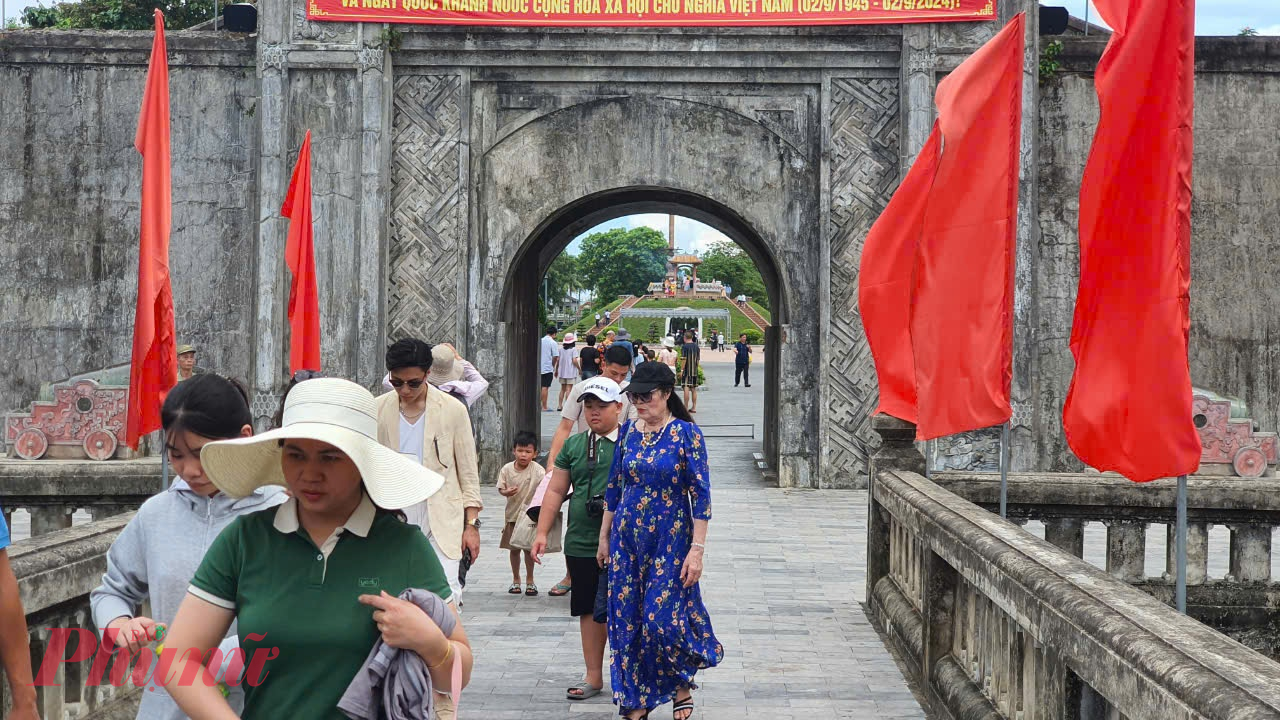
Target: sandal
514 589
585 690
531 590
681 706
560 590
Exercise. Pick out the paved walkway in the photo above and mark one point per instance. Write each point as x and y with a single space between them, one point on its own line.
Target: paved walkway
784 579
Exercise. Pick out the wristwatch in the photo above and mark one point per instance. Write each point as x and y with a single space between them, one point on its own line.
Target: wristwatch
474 523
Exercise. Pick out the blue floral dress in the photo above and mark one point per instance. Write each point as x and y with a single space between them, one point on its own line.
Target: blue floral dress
659 631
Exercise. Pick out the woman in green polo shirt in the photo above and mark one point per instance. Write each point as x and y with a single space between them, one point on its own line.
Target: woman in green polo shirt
313 583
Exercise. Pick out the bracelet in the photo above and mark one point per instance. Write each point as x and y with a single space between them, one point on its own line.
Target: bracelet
447 655
699 545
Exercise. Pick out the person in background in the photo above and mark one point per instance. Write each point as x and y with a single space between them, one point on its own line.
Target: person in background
583 465
313 583
617 363
15 648
549 355
690 355
432 427
597 319
589 359
624 340
567 370
657 508
187 363
516 482
667 355
157 553
453 375
741 361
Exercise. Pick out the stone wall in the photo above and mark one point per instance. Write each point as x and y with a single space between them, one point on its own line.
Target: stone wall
69 199
1235 330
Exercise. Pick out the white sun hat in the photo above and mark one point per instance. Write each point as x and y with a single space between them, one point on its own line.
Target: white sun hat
330 410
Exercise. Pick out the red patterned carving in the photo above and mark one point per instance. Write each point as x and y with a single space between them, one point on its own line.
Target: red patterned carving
83 415
1231 441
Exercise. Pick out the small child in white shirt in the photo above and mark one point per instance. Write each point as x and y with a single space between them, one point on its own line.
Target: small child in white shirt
517 482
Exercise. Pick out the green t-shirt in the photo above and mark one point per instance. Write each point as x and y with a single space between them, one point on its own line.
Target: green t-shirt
286 596
582 536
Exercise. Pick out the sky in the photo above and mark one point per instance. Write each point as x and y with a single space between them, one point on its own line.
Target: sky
1213 17
691 235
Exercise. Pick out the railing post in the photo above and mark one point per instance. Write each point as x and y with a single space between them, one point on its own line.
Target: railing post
1127 549
1251 553
1065 533
897 451
49 519
940 584
1197 553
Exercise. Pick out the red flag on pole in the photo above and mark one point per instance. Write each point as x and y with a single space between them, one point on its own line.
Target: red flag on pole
300 256
154 368
1129 406
936 282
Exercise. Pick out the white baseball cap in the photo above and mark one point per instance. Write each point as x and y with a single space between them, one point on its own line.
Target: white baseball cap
602 388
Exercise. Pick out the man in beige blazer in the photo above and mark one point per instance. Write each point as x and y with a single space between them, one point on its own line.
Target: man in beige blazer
419 420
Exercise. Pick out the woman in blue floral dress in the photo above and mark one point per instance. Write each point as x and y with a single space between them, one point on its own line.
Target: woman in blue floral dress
653 537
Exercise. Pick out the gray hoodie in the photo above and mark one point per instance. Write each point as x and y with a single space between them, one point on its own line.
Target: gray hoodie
154 559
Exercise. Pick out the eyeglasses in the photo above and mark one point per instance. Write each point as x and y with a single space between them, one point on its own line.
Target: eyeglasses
641 398
413 384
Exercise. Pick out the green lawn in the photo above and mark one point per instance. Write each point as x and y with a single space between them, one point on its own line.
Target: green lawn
639 327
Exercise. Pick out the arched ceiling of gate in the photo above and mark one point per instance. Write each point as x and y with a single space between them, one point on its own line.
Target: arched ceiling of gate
614 156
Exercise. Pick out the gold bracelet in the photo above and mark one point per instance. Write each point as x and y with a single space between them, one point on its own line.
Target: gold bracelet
447 655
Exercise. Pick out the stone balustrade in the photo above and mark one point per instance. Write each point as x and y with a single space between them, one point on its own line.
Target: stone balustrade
56 571
51 490
1243 602
993 622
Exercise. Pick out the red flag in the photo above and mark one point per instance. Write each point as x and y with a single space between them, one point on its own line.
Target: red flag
300 256
1129 406
154 368
936 284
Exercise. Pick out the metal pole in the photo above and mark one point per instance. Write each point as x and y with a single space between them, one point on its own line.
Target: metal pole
164 465
1086 18
1180 589
1004 470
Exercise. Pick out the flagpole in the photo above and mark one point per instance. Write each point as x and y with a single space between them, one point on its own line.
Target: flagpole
1004 469
1180 587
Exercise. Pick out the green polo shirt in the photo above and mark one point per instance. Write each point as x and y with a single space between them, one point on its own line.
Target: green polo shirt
291 595
582 536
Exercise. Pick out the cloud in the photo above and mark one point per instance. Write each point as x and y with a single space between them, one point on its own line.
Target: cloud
1269 30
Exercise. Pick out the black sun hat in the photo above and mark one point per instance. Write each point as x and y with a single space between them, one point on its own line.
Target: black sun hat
650 375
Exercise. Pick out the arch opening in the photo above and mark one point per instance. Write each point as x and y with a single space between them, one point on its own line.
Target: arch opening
520 299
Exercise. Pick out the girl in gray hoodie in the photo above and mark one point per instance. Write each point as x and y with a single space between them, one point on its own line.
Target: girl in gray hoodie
161 547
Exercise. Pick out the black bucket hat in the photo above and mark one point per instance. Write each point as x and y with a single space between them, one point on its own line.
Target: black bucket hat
651 375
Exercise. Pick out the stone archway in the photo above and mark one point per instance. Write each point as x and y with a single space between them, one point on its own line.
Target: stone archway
559 174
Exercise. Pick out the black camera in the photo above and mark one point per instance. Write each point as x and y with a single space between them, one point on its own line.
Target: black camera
595 506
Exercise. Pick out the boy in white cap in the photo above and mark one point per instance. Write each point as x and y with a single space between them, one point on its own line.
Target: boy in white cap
583 464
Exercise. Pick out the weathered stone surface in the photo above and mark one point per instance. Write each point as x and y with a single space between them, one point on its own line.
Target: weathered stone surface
69 201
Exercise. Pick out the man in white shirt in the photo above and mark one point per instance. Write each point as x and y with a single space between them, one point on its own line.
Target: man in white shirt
549 362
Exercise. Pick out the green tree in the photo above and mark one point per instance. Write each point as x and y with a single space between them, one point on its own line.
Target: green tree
119 14
563 279
623 262
1247 31
726 262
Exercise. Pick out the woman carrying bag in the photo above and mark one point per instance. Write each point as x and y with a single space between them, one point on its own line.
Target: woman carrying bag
313 584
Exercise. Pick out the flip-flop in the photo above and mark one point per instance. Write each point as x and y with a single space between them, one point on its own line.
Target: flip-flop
586 690
560 590
531 590
514 589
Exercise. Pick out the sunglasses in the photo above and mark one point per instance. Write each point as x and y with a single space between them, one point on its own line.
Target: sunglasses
413 384
641 398
304 375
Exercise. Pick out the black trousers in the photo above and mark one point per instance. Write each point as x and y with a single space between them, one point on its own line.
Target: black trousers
741 372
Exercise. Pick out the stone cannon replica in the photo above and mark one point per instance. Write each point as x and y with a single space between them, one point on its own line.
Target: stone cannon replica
81 417
1230 439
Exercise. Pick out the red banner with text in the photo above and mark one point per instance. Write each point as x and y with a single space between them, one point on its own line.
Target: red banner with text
650 13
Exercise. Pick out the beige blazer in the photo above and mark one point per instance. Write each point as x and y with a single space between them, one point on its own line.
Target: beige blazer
447 448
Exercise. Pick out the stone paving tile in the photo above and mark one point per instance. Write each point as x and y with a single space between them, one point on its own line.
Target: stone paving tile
784 579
